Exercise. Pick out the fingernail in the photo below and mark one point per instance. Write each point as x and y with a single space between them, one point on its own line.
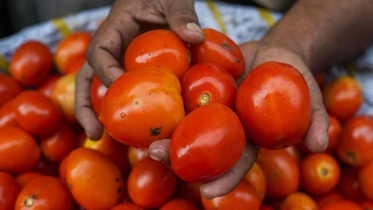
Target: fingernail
155 158
194 27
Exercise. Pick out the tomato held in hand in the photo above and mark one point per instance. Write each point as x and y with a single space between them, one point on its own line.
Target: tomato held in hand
9 189
98 91
9 88
142 106
257 179
274 105
207 83
201 138
299 200
221 50
8 114
158 49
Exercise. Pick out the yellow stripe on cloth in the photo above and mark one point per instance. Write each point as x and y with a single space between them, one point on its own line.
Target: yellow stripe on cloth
62 27
215 11
3 63
267 17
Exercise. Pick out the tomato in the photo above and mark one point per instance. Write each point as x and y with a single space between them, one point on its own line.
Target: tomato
221 50
63 95
36 113
70 49
273 103
142 106
93 179
26 177
9 189
294 152
242 197
127 206
31 63
158 49
320 79
62 168
207 83
342 97
190 191
9 88
45 192
299 200
257 179
180 204
135 155
349 185
281 172
19 150
47 86
8 114
335 130
341 205
201 138
76 66
151 184
57 146
266 207
365 179
328 197
98 91
365 204
356 143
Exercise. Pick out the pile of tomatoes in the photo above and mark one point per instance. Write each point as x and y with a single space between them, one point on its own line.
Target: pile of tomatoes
188 94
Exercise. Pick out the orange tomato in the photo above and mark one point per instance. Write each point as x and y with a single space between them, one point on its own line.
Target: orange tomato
365 179
135 155
299 200
98 91
47 86
9 88
328 197
8 114
9 189
341 205
349 185
179 204
334 132
31 63
62 168
127 206
26 177
257 179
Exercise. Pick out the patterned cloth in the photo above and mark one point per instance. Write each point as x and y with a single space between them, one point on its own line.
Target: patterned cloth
240 23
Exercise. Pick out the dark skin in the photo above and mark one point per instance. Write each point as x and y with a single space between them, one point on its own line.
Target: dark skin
312 36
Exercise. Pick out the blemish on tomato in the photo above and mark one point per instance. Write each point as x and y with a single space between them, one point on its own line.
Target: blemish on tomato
123 115
29 201
155 131
351 157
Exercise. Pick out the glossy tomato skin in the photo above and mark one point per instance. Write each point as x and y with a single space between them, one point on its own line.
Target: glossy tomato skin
158 49
9 88
45 192
221 50
201 138
8 114
366 181
98 91
299 200
349 185
142 106
180 204
257 179
14 140
135 155
26 177
47 86
151 184
37 114
356 143
334 133
9 189
341 205
273 103
31 63
70 49
127 206
242 197
207 83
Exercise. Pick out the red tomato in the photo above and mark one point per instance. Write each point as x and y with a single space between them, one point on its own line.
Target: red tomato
273 103
242 197
142 106
341 205
19 150
135 155
366 181
320 173
76 66
335 130
356 143
299 200
9 189
328 197
98 91
45 192
201 138
257 179
151 184
62 168
266 207
349 185
31 63
127 206
8 114
190 191
207 83
158 49
27 177
365 204
221 50
294 152
70 49
47 87
342 97
281 172
179 204
9 88
93 179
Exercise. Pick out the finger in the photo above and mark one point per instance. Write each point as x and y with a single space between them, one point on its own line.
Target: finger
228 181
83 107
249 50
182 18
159 151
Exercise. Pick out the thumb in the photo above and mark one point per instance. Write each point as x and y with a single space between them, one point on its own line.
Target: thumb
181 17
249 51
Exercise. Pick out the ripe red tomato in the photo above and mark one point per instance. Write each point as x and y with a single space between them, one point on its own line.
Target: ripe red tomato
62 168
366 181
335 130
98 91
9 88
257 179
135 155
70 49
201 138
273 103
341 205
207 83
142 106
93 179
349 185
320 173
328 197
151 184
26 177
294 152
8 114
190 191
47 87
221 50
76 66
158 49
179 204
31 63
342 97
242 197
281 172
14 140
9 189
127 206
45 192
356 143
299 200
